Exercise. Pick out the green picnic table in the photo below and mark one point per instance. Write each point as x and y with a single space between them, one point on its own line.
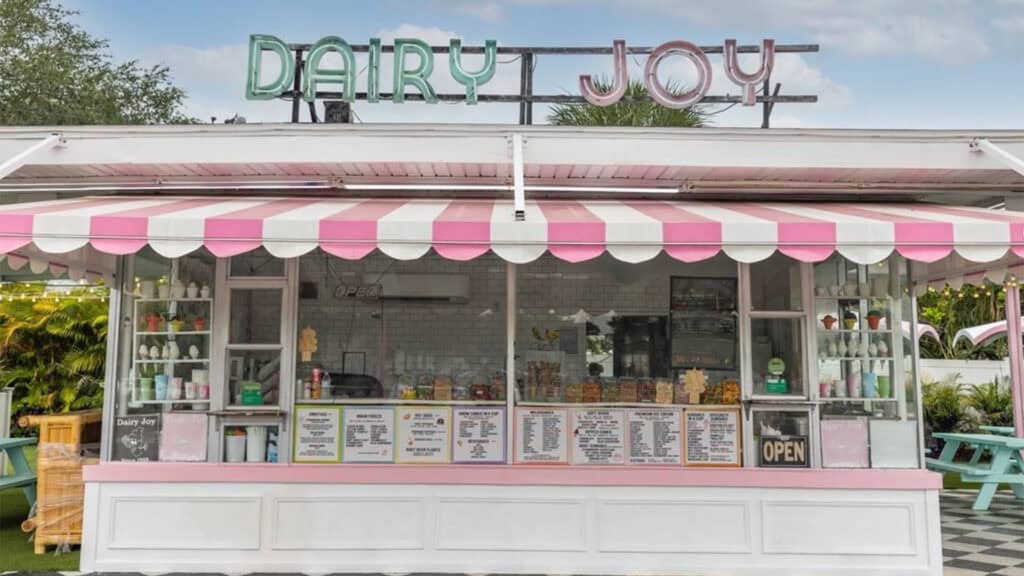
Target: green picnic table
24 477
999 430
1005 465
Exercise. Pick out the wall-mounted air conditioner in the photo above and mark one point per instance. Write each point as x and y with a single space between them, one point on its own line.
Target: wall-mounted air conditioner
446 287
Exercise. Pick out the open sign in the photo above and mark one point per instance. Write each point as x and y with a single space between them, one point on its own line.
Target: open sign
784 451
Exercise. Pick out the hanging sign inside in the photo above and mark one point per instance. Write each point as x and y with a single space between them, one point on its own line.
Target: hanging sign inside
784 452
414 64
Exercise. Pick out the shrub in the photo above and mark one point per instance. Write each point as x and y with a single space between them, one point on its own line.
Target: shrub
994 401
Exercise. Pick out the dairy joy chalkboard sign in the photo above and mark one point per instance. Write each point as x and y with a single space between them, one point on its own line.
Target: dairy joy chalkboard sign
784 452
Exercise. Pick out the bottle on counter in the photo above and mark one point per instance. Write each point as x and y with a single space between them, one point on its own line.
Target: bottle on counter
306 387
325 386
315 385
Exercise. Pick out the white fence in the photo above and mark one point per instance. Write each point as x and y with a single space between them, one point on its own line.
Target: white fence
972 372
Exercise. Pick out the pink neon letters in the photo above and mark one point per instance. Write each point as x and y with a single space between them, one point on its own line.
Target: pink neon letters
660 94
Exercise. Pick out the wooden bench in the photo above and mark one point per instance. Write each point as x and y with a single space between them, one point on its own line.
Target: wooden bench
1005 465
24 477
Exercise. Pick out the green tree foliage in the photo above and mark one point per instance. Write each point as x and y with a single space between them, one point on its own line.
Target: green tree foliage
52 72
949 311
626 112
52 350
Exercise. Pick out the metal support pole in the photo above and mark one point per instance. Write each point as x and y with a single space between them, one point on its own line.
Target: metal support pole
524 71
18 160
297 87
1011 161
510 359
1015 348
528 58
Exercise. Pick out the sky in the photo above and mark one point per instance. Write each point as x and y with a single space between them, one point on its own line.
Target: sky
882 63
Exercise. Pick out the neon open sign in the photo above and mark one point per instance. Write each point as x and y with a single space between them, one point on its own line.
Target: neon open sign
414 65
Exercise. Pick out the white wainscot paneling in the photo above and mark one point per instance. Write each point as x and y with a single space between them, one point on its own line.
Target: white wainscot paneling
673 526
839 527
536 524
184 523
356 523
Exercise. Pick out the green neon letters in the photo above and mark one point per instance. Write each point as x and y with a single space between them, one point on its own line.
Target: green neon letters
314 74
373 72
419 76
255 89
471 80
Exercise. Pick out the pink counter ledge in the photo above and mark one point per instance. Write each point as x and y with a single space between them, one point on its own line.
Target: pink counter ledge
525 475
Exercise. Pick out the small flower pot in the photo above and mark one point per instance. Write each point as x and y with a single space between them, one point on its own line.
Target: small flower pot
874 320
828 322
234 448
199 324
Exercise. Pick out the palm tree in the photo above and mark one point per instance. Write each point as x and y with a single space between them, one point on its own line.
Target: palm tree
52 352
628 111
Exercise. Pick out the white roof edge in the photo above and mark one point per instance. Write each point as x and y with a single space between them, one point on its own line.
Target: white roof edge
403 129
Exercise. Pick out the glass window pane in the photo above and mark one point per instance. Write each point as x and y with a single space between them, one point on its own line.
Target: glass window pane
254 377
257 263
425 329
605 331
777 356
775 284
255 316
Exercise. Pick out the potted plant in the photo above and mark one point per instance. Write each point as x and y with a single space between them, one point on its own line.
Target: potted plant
849 320
153 321
175 324
828 321
199 323
874 317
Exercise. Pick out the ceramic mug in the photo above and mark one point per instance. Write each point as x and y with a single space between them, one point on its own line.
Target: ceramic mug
190 390
147 289
163 291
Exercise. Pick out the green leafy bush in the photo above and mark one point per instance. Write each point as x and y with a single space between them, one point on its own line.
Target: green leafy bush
53 351
994 401
943 405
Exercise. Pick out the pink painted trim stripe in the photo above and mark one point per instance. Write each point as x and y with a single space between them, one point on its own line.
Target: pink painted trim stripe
16 223
241 231
463 230
514 475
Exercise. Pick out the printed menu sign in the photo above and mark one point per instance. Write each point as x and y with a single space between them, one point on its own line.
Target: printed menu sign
541 435
711 437
598 436
478 435
784 452
369 434
136 438
317 434
655 436
423 434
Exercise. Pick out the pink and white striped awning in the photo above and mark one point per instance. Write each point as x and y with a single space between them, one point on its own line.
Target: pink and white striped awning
573 230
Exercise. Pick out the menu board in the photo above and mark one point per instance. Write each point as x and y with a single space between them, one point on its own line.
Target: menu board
369 434
183 438
541 435
478 435
711 437
136 438
655 436
598 436
424 434
317 434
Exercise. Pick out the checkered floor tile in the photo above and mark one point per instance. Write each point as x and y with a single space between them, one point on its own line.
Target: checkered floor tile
982 543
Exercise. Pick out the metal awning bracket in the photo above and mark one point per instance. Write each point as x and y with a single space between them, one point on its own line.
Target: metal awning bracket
1002 155
21 158
518 180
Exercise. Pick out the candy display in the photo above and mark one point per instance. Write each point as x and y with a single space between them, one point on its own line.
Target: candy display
663 391
592 392
647 391
574 392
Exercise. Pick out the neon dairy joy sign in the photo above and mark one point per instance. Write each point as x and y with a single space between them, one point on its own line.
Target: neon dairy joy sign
415 73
